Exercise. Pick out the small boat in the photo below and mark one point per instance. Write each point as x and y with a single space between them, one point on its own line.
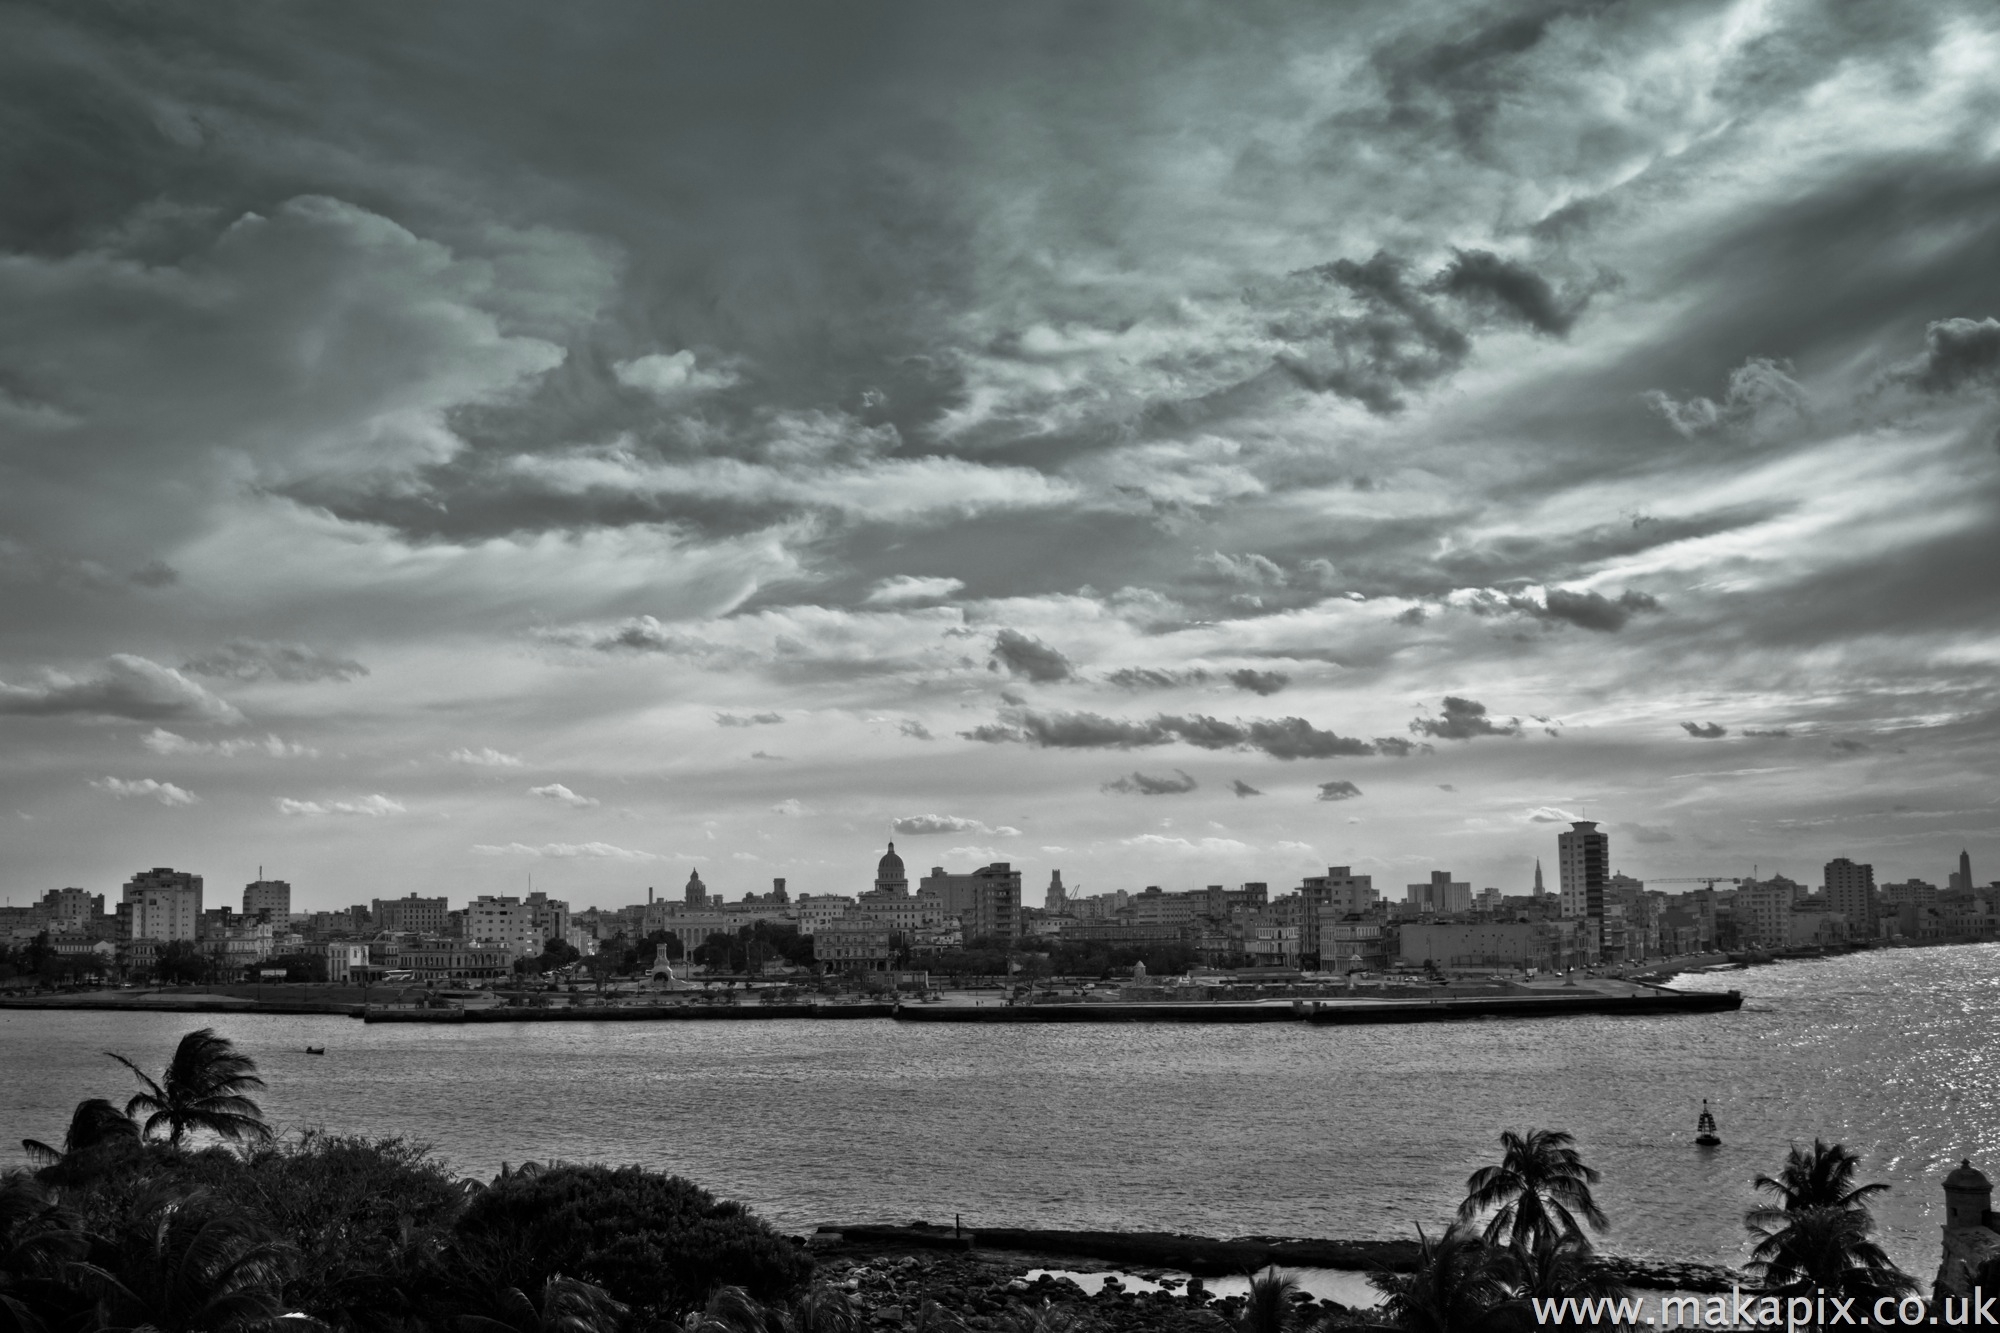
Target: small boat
1704 1129
315 1050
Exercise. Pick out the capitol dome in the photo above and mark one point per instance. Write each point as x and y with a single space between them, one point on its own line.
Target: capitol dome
890 866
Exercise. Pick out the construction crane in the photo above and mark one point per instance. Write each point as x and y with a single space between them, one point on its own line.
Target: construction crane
1710 880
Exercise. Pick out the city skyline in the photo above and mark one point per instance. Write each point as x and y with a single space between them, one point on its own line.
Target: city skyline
1170 446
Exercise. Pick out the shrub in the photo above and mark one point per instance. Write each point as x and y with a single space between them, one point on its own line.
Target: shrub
659 1244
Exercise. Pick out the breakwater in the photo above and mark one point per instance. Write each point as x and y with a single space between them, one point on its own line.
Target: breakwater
1655 1002
633 1013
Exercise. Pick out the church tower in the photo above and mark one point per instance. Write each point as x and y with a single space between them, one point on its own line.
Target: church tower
1541 891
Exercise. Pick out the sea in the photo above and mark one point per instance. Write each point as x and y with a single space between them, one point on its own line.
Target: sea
1266 1129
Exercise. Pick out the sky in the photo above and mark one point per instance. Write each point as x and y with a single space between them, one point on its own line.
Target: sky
452 447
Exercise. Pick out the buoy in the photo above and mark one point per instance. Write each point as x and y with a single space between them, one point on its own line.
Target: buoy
1704 1129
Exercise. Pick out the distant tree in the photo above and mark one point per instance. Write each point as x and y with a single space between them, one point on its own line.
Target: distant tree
656 1243
202 1090
181 963
1540 1188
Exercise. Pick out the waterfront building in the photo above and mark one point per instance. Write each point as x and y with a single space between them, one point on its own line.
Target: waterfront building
1961 878
344 959
549 916
1763 911
503 923
1329 897
813 910
271 897
1442 896
161 904
1546 945
1356 944
1156 907
853 944
1850 890
447 961
70 911
411 915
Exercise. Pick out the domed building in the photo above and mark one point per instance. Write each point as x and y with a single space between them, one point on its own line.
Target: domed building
1971 1231
890 878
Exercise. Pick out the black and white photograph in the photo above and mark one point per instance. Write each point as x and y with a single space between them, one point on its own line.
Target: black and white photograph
999 666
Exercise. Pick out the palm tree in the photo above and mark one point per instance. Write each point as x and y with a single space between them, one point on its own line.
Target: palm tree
1820 1178
1824 1248
202 1089
825 1309
38 1242
566 1306
1540 1188
96 1128
179 1264
1553 1268
1269 1306
1454 1288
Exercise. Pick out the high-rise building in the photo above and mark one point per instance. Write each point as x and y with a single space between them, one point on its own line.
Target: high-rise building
1443 895
271 898
987 902
1056 903
162 904
1850 890
1583 865
66 911
1961 878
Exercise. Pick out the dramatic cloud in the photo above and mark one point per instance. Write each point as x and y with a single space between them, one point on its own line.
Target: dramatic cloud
373 807
1153 678
1761 393
905 589
1259 682
567 851
124 686
1337 790
1463 719
918 825
485 757
254 659
753 720
1514 289
1842 745
1707 731
1145 784
1958 353
914 729
555 791
1549 814
1594 611
671 376
1242 788
161 741
1024 656
166 793
1281 738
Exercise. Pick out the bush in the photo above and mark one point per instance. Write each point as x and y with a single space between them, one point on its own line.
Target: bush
657 1243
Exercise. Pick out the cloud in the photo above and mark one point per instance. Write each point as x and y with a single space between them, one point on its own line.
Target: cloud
1708 731
256 659
1211 846
1143 784
1594 611
1242 788
155 574
1446 786
1338 790
1778 733
123 686
1281 738
1155 678
1761 393
903 589
161 741
671 376
1024 656
1250 569
555 791
753 720
166 793
1844 746
1463 719
790 808
1649 833
1259 682
1512 288
1958 353
919 825
914 729
485 757
1549 814
373 807
567 851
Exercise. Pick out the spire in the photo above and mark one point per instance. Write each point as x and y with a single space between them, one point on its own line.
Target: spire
1539 890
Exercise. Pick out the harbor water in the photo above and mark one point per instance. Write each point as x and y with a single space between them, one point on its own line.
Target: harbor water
1279 1129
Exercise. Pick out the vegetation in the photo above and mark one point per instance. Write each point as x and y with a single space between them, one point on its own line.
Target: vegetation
1817 1237
182 1212
1537 1191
